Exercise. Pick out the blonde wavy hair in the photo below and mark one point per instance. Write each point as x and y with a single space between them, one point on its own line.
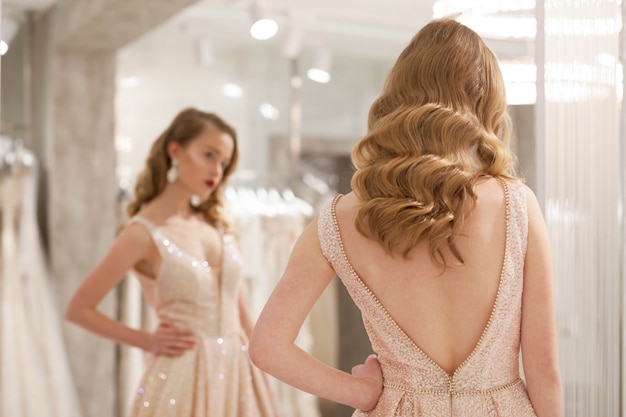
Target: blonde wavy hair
440 122
185 127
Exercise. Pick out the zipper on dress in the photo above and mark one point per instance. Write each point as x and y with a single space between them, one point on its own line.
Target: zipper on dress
451 391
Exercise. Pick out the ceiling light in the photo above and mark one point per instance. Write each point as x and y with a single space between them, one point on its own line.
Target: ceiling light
320 71
268 111
263 27
3 47
232 90
318 75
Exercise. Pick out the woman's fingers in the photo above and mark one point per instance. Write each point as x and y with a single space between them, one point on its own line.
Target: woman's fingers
370 368
372 362
371 372
171 340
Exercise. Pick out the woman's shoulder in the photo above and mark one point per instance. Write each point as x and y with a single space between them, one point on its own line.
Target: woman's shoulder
141 226
489 187
137 228
347 202
134 238
346 208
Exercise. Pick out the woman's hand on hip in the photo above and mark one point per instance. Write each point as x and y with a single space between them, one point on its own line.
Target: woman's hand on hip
170 340
371 373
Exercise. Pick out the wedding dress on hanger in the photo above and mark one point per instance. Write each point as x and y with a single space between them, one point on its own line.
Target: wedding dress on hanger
268 225
35 378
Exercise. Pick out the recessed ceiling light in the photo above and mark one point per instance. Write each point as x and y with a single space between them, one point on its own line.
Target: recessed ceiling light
269 111
232 90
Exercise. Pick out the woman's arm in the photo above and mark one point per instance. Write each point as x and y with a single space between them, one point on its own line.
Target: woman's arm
539 340
128 249
272 345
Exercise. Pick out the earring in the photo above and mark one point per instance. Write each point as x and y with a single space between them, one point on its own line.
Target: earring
195 200
172 173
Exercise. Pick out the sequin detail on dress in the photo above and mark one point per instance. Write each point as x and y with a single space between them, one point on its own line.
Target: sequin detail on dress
487 383
216 377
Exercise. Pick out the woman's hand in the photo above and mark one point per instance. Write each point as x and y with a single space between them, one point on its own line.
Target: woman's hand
370 372
170 340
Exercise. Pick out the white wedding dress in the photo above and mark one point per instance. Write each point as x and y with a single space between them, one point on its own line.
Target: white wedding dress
35 378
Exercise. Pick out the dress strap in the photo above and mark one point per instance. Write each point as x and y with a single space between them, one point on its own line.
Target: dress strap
518 217
145 222
160 240
327 232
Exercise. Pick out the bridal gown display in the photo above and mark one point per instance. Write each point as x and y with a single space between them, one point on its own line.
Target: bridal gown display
268 224
35 378
488 382
215 377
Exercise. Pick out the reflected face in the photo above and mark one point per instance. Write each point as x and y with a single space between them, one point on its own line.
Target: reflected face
203 160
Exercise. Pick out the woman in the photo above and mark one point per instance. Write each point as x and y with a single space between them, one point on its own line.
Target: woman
177 242
434 244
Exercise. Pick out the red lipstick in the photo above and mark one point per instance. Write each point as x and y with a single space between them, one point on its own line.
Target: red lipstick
210 183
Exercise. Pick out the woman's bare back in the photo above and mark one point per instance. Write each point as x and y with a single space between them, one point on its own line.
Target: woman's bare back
444 314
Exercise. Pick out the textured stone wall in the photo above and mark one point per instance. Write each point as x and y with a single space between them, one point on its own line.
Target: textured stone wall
82 208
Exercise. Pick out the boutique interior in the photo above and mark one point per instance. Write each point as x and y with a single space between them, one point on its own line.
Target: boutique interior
88 85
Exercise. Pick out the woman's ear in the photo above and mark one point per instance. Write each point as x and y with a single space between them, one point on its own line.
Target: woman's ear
173 150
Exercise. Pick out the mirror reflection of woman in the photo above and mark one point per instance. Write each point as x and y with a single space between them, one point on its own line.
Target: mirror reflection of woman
443 250
177 241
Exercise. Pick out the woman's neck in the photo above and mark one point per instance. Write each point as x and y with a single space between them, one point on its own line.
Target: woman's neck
174 201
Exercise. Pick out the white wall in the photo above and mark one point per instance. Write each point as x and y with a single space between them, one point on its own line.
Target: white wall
171 78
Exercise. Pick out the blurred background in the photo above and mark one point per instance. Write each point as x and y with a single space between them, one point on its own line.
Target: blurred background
87 85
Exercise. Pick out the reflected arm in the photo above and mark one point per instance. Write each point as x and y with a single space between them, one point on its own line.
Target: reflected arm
127 250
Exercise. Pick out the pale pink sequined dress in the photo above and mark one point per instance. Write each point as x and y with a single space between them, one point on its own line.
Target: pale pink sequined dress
216 377
488 381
